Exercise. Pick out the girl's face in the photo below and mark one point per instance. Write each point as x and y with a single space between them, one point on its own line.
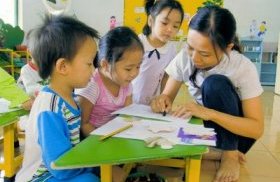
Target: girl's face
127 68
201 50
165 25
81 66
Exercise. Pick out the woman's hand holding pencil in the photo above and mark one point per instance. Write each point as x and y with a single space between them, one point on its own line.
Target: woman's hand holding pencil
161 104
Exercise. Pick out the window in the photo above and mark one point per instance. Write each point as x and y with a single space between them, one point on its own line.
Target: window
9 11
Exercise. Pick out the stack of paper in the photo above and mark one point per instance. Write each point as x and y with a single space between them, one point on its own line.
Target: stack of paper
145 111
145 128
176 130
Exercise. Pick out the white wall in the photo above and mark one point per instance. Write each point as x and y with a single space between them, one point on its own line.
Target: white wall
7 12
95 13
247 10
31 13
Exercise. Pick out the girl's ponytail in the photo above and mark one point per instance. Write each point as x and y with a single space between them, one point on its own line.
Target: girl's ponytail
236 45
148 6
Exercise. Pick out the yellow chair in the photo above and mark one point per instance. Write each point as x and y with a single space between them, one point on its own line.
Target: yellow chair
10 66
11 161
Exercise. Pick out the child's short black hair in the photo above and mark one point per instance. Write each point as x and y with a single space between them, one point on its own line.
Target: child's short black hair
58 37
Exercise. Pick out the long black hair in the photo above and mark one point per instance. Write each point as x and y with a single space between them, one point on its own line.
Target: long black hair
154 7
219 25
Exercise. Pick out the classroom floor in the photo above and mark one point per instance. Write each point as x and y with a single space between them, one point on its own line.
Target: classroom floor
263 160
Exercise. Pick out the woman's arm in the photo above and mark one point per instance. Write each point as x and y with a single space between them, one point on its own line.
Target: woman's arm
163 82
171 88
251 125
164 101
86 108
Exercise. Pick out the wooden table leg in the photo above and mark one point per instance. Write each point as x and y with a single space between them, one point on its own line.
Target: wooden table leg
106 173
192 171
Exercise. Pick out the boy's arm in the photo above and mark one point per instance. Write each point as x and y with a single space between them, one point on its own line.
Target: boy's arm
86 108
88 97
53 137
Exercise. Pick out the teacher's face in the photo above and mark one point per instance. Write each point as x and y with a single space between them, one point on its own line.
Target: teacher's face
201 50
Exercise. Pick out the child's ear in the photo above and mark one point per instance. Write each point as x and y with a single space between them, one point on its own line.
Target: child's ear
105 65
150 20
61 66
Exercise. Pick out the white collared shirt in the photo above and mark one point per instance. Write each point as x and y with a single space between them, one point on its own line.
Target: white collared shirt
148 83
238 68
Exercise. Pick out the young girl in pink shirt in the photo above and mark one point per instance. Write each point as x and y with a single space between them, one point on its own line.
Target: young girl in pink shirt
119 59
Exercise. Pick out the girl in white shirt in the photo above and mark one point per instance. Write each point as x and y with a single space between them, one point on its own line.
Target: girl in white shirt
224 83
164 20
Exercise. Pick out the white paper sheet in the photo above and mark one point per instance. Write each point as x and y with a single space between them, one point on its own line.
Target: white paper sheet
141 130
4 105
146 112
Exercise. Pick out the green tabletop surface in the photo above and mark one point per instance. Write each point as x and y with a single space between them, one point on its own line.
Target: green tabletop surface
11 117
93 152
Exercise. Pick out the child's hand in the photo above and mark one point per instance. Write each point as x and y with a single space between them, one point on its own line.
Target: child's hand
27 104
161 103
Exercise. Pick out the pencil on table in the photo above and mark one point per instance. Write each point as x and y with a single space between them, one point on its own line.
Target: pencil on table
115 132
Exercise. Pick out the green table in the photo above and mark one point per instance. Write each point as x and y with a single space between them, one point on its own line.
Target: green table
93 152
10 117
10 162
